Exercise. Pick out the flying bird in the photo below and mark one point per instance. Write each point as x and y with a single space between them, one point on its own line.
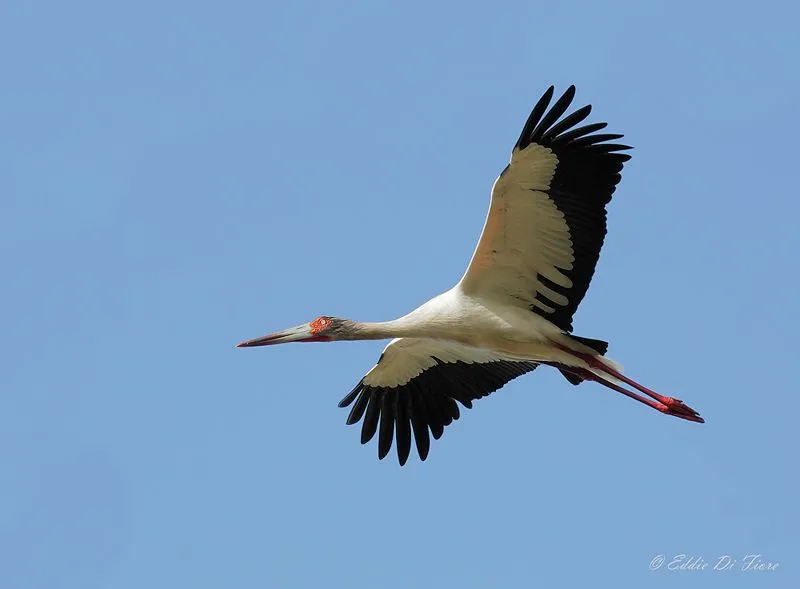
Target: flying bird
512 309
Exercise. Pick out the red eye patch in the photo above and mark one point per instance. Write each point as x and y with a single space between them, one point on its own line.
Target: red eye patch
319 324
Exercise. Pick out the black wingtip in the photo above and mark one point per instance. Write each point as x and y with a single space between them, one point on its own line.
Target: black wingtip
386 428
567 122
559 108
370 424
357 412
535 116
351 396
403 428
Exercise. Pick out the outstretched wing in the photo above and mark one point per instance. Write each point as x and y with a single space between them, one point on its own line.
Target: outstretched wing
415 386
547 218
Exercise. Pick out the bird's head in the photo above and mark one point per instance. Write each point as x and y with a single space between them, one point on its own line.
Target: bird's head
321 329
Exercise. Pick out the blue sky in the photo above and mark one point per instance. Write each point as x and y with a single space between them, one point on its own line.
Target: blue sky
176 177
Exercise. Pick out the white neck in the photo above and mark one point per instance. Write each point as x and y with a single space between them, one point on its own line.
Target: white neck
414 324
389 329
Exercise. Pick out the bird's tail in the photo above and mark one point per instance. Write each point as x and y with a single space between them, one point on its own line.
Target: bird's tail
598 346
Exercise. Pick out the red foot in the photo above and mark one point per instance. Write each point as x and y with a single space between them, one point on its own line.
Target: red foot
677 408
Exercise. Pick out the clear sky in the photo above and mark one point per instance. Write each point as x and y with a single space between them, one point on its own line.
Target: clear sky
176 177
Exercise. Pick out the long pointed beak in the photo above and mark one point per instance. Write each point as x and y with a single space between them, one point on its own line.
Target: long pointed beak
301 333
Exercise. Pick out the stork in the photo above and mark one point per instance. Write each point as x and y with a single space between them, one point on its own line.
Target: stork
512 309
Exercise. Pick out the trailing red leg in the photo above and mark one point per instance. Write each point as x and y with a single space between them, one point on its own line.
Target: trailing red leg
668 405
